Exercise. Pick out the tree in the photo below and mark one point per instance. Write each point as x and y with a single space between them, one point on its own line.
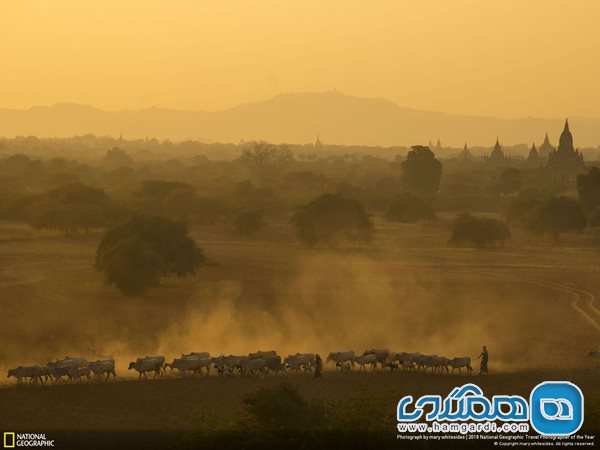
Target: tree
117 158
264 158
178 201
132 265
421 171
557 215
248 222
594 218
74 207
330 218
510 181
479 231
588 186
408 208
163 243
69 219
520 209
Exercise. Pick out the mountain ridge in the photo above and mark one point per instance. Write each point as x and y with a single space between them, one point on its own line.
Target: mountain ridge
294 118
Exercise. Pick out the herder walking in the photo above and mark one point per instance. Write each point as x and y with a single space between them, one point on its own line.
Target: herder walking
318 366
483 367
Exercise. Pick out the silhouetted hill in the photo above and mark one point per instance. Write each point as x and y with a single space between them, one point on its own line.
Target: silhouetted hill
295 118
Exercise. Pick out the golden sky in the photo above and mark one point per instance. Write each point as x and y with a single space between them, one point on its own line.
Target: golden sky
509 58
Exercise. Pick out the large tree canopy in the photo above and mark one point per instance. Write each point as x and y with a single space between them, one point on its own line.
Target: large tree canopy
74 207
421 171
134 255
264 158
177 200
588 186
557 215
330 218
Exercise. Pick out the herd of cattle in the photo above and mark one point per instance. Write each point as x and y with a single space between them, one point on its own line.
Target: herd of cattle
259 363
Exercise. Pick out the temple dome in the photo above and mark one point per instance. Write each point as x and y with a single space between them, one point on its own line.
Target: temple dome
565 142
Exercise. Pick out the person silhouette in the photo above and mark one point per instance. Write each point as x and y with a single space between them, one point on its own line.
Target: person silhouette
483 366
318 366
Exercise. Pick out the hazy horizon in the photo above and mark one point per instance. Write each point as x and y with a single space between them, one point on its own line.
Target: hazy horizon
295 118
505 61
283 94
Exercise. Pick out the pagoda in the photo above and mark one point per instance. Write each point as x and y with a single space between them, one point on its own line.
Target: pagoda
546 148
565 160
533 159
497 156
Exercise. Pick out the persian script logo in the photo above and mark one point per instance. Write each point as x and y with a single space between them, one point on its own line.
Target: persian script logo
554 407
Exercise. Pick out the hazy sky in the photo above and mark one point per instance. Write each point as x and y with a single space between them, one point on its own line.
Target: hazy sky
509 58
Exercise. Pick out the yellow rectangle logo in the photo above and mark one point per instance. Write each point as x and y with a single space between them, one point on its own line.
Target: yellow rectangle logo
9 439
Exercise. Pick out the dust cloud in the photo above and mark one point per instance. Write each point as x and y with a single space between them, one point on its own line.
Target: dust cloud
334 301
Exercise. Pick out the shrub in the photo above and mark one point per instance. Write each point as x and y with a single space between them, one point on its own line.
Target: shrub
330 218
280 407
479 231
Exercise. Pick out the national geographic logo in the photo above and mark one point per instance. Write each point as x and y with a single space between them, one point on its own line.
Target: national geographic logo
9 440
12 440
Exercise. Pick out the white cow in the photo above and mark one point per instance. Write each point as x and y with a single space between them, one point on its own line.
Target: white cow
345 366
273 363
300 361
253 366
77 373
104 367
62 367
163 370
190 364
231 362
148 364
433 362
382 355
363 360
340 357
21 372
459 363
408 361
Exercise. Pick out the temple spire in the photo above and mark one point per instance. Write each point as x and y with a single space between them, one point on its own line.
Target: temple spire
318 143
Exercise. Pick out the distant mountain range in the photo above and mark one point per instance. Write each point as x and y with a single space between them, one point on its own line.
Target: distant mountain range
296 118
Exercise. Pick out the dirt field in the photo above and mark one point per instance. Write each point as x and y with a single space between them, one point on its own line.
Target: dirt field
168 413
533 305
